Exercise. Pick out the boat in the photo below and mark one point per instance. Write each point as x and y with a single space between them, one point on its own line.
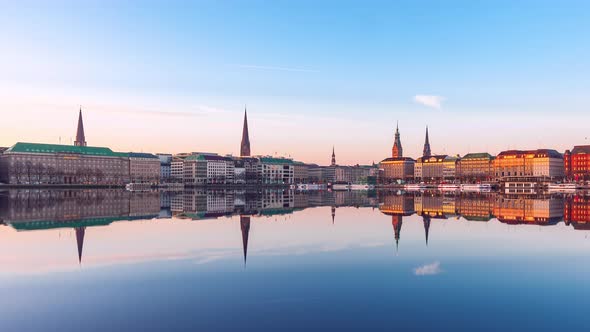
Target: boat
415 186
562 187
449 187
478 187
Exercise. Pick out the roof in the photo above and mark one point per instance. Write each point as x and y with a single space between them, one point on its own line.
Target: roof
437 157
397 159
581 149
521 153
477 155
21 147
204 157
271 160
142 155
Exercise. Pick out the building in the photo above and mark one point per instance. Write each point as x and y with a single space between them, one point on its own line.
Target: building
246 170
144 168
276 170
475 167
577 163
300 172
532 211
245 144
80 137
165 166
177 169
397 150
208 168
35 163
435 168
530 165
322 174
397 168
355 174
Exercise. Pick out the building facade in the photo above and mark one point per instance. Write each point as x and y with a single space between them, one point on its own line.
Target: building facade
276 170
34 163
577 163
435 168
397 168
208 169
144 168
530 165
300 172
475 167
165 166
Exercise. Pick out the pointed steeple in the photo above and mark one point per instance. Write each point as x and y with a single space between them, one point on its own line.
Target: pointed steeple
333 163
397 151
426 220
80 231
245 145
333 214
396 222
80 138
426 152
245 227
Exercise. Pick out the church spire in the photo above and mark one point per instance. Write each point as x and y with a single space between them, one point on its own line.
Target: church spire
426 220
245 146
426 152
245 227
80 138
80 231
397 151
333 163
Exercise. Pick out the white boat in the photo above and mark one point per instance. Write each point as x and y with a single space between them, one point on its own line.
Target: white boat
415 186
562 187
449 187
479 187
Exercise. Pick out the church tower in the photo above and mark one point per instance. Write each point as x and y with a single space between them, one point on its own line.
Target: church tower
245 146
80 138
397 151
426 152
333 163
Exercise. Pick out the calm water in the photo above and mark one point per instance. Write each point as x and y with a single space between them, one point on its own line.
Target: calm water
212 261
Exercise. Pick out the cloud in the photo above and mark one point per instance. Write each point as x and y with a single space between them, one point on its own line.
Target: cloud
430 101
428 269
292 69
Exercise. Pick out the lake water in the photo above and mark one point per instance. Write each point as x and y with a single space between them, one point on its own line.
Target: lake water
109 260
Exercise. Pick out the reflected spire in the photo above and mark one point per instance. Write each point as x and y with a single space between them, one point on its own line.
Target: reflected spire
426 220
80 231
333 214
396 222
245 227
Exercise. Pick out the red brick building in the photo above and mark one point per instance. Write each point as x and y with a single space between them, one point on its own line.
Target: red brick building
577 163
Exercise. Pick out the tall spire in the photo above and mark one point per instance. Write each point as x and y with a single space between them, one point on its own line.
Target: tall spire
333 163
426 220
245 146
245 227
80 231
396 222
333 214
397 151
80 138
426 152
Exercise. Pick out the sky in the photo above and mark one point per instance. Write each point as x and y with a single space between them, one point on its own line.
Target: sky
175 76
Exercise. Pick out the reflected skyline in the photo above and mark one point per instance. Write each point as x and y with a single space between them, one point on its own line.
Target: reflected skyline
83 210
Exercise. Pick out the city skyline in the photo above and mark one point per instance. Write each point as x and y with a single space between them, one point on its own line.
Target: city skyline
161 79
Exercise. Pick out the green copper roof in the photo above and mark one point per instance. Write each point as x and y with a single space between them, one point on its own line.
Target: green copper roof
270 160
477 155
89 222
21 147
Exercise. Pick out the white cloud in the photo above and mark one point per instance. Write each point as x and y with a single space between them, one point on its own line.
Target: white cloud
430 101
428 269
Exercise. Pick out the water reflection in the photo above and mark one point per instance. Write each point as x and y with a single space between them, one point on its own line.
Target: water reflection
29 210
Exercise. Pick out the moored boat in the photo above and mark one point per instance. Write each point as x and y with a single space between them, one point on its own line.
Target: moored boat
478 187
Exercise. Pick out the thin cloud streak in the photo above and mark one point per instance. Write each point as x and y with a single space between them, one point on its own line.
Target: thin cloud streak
430 100
291 69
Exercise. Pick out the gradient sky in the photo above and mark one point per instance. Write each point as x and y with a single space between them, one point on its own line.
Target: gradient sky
174 77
